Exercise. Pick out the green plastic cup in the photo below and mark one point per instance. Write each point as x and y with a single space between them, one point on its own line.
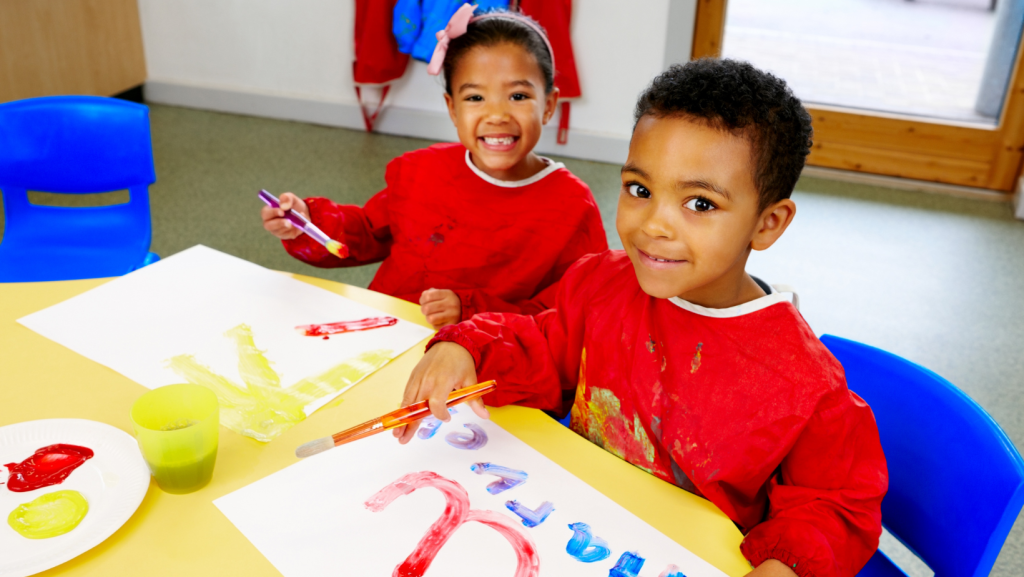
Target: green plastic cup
177 428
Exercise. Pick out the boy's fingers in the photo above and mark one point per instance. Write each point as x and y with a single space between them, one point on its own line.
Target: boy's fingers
409 432
479 408
438 402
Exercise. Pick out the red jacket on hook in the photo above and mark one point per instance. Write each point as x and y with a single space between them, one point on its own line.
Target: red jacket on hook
555 16
377 59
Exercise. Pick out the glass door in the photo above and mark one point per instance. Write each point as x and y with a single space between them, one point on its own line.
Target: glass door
923 89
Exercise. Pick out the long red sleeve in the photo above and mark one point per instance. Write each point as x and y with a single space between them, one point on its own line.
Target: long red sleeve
743 406
364 230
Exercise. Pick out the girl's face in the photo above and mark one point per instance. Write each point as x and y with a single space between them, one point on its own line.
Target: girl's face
498 106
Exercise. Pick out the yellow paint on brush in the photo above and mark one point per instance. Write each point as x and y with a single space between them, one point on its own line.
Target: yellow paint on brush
49 515
337 249
262 409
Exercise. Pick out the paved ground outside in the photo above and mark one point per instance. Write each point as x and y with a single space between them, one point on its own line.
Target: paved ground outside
923 58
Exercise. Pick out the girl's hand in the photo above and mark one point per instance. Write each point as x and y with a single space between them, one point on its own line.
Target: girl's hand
442 307
275 222
445 367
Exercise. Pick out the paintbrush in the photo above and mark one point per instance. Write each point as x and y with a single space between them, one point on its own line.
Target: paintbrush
403 416
334 247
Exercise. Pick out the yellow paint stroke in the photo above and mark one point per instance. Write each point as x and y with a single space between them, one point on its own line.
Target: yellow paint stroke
49 515
262 409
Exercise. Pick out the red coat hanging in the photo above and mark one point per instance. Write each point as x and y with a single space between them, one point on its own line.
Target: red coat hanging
377 59
555 16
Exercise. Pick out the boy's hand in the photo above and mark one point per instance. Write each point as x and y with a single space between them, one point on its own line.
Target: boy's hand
772 568
445 367
275 222
442 307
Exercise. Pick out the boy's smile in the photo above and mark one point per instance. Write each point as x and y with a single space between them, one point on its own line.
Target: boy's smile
688 212
499 107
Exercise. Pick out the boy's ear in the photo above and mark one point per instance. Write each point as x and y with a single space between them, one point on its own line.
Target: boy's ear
550 103
772 223
450 103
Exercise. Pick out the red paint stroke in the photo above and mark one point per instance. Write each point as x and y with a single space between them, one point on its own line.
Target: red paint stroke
346 326
456 512
48 466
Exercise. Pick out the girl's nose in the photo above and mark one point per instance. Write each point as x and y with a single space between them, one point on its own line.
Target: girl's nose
497 112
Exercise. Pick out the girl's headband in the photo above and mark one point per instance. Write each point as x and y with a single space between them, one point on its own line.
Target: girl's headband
461 20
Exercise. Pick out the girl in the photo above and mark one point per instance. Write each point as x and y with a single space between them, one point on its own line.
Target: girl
481 225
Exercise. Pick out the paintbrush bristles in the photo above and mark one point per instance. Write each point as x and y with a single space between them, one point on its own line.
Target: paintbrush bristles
313 447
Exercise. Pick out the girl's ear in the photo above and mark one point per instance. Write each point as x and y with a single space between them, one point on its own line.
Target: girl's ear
772 223
450 103
550 104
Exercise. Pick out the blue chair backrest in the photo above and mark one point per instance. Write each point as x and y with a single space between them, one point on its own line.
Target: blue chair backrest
956 482
74 145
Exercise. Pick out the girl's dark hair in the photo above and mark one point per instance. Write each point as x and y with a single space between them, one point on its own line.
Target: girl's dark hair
736 97
495 31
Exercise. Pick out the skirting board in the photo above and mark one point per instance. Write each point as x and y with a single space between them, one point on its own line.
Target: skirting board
904 183
393 120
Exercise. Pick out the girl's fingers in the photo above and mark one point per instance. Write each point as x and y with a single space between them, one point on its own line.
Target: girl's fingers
429 295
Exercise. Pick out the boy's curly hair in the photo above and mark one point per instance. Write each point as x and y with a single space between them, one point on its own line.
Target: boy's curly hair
736 97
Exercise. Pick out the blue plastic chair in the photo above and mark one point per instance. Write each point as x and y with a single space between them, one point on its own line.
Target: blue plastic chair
956 482
74 145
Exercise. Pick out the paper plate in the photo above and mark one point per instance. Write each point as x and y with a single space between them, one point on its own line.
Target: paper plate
114 483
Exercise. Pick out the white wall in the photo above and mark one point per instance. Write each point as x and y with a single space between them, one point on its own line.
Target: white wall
293 59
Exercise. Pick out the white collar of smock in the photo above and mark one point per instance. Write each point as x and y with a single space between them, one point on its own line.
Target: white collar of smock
552 166
746 308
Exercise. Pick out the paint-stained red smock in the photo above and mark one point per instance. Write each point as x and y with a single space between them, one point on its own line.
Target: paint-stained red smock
744 406
441 223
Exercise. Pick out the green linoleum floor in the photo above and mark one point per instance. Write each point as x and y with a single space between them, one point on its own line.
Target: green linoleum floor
935 279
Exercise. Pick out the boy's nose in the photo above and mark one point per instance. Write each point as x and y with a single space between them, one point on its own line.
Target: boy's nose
656 224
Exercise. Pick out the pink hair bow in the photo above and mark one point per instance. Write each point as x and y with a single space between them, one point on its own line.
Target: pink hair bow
456 27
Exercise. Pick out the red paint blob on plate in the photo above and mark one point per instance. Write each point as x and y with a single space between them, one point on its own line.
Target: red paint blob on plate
48 466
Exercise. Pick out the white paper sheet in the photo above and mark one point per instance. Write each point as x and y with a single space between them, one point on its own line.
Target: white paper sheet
185 303
310 520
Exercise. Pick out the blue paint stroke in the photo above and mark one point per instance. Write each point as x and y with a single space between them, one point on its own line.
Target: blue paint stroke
628 565
429 427
672 571
508 477
531 517
471 442
584 546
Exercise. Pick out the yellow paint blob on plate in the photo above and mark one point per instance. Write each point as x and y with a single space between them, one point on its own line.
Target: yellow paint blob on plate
49 515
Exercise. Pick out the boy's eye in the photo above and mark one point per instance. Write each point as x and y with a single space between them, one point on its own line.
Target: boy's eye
638 191
474 98
699 204
519 96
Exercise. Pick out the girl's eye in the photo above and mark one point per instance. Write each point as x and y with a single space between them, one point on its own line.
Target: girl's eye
638 191
474 98
700 204
519 96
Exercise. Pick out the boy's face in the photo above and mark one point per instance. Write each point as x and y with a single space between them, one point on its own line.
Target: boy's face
688 212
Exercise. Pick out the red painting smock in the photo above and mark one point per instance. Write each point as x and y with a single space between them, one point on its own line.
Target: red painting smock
743 406
442 223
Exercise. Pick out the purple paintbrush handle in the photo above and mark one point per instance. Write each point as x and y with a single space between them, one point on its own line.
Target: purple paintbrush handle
296 218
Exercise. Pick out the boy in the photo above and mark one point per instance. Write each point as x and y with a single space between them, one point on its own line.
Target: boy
675 359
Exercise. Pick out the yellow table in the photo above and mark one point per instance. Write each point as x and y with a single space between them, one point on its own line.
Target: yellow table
187 535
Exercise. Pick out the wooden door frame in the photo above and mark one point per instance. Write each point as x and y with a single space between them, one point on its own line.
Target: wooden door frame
934 150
